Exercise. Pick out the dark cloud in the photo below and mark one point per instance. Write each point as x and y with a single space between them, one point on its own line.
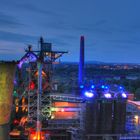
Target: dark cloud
59 42
3 49
125 41
97 27
135 27
92 29
59 25
15 37
8 56
108 26
100 22
30 7
68 36
9 21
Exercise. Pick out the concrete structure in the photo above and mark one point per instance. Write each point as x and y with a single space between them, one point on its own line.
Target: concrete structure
7 71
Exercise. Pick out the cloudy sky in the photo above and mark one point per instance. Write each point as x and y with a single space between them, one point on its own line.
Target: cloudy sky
111 28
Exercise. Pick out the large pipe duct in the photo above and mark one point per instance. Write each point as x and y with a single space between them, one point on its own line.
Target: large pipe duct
81 63
7 71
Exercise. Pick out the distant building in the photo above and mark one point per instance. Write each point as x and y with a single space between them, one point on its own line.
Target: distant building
133 117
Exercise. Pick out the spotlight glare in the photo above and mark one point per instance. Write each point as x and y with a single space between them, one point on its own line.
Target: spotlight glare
106 87
89 94
107 95
124 95
102 86
120 87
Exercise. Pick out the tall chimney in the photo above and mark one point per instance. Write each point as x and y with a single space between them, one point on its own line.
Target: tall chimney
81 63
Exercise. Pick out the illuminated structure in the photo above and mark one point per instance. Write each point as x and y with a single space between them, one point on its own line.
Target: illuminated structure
105 111
40 85
65 111
81 62
91 112
7 71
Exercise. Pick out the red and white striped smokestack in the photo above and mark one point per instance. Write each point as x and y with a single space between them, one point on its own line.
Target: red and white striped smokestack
81 62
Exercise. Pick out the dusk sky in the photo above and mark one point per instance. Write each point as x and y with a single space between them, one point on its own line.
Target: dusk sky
111 28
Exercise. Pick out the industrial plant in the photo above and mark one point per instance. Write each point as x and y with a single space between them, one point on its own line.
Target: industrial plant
32 107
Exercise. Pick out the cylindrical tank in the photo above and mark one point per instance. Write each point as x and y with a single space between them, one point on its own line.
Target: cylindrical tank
105 117
119 116
91 116
7 71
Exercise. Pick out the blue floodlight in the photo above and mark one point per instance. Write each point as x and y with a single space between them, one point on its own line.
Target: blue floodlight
102 86
89 94
81 86
120 87
124 95
92 86
106 87
107 95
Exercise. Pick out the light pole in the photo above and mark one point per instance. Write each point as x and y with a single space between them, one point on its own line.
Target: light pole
39 93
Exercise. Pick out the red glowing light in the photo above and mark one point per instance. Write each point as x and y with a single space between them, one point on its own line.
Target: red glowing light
16 122
32 85
37 135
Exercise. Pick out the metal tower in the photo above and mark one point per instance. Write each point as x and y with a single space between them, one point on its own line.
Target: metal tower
40 83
